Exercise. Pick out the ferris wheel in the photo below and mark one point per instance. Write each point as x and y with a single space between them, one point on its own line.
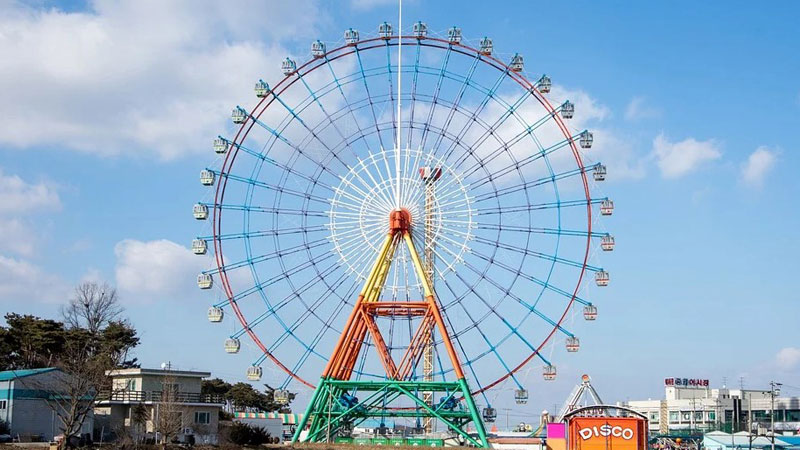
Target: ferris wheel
405 219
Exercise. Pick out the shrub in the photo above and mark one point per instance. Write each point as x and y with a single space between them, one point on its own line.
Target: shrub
244 434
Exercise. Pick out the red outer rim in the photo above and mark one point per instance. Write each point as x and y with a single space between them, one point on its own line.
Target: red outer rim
286 82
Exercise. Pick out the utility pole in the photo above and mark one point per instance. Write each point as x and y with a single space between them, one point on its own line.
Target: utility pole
773 391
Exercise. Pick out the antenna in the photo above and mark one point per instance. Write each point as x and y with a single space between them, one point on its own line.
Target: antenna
399 101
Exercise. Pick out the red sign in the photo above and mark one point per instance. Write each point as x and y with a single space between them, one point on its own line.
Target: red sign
686 382
607 433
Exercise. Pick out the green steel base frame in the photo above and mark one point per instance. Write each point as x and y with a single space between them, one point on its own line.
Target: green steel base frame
328 416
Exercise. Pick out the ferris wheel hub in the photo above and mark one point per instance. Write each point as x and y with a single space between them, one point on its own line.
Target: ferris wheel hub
400 220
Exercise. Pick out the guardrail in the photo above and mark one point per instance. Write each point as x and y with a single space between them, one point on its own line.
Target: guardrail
158 396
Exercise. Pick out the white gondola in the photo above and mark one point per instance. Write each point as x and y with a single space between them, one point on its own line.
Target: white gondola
254 373
521 396
599 172
204 281
238 115
544 84
454 35
573 344
281 396
420 30
232 345
215 314
590 312
206 177
587 138
606 207
350 36
489 414
567 110
317 49
288 66
517 63
486 47
607 243
601 278
549 372
200 211
261 88
199 246
220 145
385 30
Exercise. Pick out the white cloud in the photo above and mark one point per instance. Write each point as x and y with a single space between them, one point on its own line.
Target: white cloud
758 165
139 77
22 281
19 196
788 358
638 109
148 271
676 159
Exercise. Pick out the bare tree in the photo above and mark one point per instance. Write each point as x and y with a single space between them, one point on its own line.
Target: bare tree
92 307
96 341
169 420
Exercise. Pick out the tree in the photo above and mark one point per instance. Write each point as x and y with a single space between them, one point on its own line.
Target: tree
93 307
94 342
244 397
169 413
29 342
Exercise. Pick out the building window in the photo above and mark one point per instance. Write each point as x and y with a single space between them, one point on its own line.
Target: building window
793 415
202 417
698 416
654 416
712 416
2 404
673 416
686 416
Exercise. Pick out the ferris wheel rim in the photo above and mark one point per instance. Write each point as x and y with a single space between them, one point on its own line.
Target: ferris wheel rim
345 50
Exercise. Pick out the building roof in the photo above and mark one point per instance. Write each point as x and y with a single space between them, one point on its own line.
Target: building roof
742 440
9 375
157 372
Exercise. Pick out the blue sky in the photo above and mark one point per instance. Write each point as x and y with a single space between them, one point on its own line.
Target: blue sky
109 110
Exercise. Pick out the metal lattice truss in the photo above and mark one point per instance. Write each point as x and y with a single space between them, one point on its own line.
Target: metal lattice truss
308 176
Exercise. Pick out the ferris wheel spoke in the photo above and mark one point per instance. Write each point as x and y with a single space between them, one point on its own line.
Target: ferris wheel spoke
270 233
266 210
268 256
311 311
344 139
540 255
272 187
489 94
436 92
492 130
529 184
262 284
321 333
520 273
413 93
311 132
371 103
539 206
274 309
457 102
538 230
287 169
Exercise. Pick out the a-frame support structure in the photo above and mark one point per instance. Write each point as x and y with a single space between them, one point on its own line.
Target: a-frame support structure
334 409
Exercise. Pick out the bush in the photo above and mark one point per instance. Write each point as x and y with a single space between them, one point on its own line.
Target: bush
244 434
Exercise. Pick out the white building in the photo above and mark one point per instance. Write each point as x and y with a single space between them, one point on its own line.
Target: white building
691 404
154 392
